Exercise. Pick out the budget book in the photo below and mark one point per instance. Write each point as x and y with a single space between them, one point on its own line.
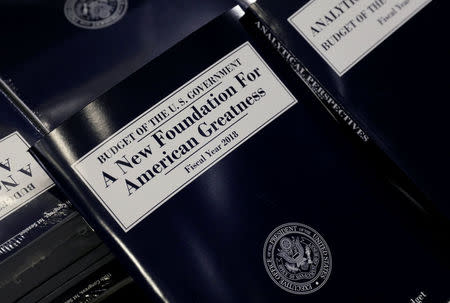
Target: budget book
213 176
378 67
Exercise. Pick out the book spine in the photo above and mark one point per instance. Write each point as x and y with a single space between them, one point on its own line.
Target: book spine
22 108
334 108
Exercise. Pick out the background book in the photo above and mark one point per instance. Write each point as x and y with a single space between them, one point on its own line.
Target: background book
30 205
212 157
43 240
376 59
69 52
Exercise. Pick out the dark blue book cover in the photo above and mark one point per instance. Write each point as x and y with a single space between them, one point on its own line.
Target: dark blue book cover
213 179
59 55
380 68
30 205
56 57
44 242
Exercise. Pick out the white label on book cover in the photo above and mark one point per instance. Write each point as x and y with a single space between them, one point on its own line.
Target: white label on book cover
156 155
21 177
344 31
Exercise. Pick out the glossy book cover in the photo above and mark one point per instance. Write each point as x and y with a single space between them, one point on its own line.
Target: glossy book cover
380 67
211 175
43 241
29 203
63 54
62 57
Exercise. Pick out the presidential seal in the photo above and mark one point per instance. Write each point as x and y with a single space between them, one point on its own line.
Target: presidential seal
95 14
297 258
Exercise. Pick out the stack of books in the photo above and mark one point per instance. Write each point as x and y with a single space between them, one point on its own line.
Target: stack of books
271 151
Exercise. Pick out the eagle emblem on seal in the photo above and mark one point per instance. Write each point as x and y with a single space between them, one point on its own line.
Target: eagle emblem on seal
297 258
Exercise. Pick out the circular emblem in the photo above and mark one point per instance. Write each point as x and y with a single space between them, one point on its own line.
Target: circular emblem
297 258
94 14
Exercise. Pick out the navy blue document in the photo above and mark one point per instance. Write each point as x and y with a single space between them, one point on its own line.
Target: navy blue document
214 179
64 53
29 203
43 241
377 66
60 57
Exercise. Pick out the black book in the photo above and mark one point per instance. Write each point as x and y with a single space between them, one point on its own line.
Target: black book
55 60
30 205
214 179
377 65
63 54
43 240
